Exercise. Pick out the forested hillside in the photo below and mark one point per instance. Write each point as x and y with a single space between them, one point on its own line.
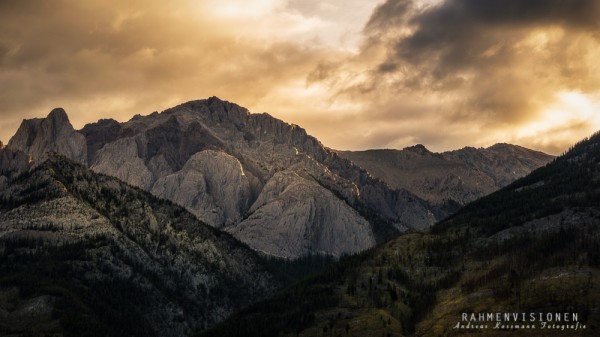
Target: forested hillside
83 254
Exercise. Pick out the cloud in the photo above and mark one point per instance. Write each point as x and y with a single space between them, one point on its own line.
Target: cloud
495 65
100 59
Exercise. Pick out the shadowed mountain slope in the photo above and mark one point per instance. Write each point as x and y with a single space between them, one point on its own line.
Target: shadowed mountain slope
449 179
532 247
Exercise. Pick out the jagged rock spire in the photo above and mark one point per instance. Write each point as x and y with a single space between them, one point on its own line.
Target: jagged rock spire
39 136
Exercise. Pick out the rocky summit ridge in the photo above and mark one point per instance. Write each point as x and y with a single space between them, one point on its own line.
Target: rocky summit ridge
450 179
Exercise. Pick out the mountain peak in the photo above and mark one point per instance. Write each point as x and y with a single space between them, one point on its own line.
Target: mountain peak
215 109
36 137
215 99
212 101
516 150
418 148
503 146
58 115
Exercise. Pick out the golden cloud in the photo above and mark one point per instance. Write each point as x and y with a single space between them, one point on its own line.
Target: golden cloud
491 69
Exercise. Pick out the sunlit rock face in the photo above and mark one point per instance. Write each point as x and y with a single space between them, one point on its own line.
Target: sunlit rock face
293 215
121 159
212 185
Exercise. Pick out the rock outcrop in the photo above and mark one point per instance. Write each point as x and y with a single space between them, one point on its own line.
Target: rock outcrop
40 136
212 185
13 162
121 159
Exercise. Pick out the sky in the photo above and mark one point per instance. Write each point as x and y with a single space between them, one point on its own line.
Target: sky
356 74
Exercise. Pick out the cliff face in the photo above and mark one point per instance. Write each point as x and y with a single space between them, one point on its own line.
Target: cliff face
12 163
293 214
86 251
211 184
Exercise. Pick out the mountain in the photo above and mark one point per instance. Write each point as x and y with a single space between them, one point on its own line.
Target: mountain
240 172
449 179
84 254
266 182
133 228
531 248
12 163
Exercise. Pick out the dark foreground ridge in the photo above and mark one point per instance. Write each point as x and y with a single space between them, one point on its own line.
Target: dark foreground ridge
83 254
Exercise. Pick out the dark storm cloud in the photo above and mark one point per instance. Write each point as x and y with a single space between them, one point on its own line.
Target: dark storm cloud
461 29
479 45
457 33
389 14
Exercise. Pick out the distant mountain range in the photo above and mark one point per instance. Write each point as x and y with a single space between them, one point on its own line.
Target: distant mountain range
449 179
270 184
